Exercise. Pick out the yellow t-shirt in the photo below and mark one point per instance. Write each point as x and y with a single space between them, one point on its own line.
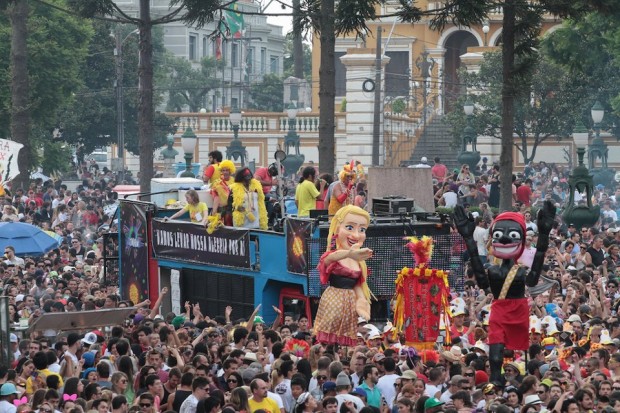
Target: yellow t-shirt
197 212
305 195
268 404
43 374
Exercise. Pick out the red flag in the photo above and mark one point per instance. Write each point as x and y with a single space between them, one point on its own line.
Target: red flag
218 48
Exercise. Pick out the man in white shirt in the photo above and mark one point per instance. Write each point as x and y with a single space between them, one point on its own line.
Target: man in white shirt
481 236
423 164
454 385
200 391
449 199
10 258
386 382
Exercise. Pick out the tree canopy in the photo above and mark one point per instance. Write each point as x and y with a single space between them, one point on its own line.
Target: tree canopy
547 101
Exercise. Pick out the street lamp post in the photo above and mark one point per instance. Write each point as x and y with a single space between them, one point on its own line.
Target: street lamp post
466 156
598 149
485 30
293 161
582 215
188 142
236 149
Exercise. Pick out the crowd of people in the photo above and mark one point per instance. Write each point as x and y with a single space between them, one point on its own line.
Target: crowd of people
195 362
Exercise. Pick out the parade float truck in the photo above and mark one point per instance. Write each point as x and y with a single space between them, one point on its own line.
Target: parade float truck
243 268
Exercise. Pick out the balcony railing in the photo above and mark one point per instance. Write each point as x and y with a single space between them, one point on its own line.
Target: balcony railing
251 122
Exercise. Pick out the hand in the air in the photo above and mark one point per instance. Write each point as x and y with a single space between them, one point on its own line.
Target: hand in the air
546 217
463 221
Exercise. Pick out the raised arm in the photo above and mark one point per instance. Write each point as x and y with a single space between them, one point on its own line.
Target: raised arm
546 217
465 225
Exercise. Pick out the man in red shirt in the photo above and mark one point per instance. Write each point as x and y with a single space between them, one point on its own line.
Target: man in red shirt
524 193
439 170
212 172
267 177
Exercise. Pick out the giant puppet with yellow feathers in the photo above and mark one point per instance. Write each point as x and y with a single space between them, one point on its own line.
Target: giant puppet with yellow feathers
422 297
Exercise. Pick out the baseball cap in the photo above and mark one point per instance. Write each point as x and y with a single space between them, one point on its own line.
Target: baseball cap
90 338
8 389
360 392
424 160
178 321
432 402
378 357
329 386
13 338
409 374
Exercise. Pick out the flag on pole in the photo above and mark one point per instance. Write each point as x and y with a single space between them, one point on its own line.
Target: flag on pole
234 21
218 48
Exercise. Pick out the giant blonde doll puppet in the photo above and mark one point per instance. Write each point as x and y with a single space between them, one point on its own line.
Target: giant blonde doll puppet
343 265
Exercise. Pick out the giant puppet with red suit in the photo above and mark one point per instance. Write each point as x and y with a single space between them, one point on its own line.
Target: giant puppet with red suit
509 322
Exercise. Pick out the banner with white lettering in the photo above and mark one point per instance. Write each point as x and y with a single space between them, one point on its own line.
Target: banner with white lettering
184 241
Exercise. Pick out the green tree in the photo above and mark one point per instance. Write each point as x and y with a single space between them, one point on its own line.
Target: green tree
546 104
521 25
289 60
188 86
268 95
590 51
89 120
42 50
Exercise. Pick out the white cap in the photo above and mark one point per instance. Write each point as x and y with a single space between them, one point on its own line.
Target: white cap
13 338
424 160
90 339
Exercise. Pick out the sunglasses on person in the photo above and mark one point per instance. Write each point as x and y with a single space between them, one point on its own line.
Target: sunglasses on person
145 404
469 374
321 377
231 381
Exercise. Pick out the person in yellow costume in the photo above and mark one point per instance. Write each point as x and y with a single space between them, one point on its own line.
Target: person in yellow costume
220 191
342 192
343 265
248 201
198 211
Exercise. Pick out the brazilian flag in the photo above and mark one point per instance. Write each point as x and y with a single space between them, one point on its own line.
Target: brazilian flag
234 21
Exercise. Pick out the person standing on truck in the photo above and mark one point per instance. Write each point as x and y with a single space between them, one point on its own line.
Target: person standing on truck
212 172
248 201
220 191
342 192
306 193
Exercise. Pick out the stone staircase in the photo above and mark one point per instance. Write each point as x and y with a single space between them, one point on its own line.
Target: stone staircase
435 141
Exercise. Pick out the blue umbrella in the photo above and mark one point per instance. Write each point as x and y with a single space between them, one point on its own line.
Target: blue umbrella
27 239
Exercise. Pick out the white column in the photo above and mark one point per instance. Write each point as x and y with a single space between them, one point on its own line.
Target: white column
360 65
